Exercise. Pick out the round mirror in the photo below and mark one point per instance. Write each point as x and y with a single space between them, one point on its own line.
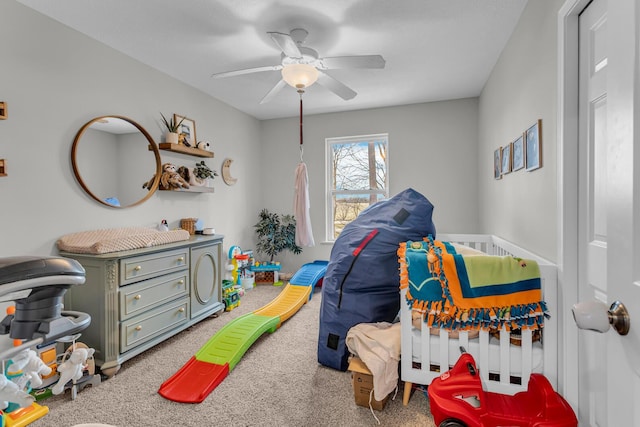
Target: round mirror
116 161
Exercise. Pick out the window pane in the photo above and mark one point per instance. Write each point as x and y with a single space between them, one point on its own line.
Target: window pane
348 206
359 166
357 178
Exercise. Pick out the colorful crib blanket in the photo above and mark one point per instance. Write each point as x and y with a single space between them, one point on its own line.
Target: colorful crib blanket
463 292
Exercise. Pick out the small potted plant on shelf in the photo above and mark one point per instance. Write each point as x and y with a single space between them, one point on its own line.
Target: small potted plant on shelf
276 233
172 129
202 172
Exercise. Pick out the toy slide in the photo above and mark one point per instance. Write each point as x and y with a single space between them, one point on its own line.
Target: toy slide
213 362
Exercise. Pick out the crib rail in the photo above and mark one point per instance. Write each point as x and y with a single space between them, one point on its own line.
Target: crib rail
428 356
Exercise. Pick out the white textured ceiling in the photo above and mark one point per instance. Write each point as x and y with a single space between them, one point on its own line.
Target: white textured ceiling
434 49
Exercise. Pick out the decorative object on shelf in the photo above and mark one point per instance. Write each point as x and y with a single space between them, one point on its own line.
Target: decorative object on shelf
202 171
173 127
226 172
198 175
3 111
203 145
169 180
188 175
3 168
276 233
533 142
186 131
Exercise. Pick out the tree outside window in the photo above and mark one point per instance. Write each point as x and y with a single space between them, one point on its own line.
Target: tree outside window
357 177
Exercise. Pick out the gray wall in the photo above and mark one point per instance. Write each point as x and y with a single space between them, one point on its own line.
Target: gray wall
522 88
55 79
432 149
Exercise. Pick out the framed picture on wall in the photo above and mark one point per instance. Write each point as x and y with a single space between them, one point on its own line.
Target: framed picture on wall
497 163
506 159
187 131
518 153
533 143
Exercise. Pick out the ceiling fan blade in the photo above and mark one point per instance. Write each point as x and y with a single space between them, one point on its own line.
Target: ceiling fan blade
335 86
364 61
286 44
273 91
246 71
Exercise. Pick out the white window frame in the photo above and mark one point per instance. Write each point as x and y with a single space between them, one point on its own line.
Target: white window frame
329 142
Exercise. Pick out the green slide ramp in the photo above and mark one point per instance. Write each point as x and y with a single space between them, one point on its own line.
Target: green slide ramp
230 343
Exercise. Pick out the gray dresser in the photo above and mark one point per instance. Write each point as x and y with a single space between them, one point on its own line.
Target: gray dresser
141 297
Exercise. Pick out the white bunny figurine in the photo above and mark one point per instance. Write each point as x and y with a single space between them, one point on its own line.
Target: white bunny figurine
71 369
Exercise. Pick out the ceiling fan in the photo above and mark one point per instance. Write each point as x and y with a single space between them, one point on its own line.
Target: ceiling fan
301 66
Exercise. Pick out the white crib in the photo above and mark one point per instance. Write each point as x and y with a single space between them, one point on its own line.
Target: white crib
504 368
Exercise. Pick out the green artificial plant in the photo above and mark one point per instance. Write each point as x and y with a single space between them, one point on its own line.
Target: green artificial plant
202 171
171 124
276 233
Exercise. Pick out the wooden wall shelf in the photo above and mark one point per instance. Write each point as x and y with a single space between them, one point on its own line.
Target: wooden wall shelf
177 148
192 189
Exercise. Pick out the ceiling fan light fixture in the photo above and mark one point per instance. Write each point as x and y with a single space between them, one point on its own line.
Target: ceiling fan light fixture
299 76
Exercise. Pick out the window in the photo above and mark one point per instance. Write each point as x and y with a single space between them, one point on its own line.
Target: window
357 177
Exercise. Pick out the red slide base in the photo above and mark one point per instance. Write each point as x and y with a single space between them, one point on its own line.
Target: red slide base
194 381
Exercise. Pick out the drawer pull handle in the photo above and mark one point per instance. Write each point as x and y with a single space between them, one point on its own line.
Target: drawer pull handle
181 282
138 297
181 259
138 328
137 268
181 310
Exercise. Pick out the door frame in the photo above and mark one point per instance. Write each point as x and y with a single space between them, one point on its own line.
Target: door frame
567 192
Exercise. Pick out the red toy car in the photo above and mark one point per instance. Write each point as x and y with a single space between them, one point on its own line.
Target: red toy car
457 399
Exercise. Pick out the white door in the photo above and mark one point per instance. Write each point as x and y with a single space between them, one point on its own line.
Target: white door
608 236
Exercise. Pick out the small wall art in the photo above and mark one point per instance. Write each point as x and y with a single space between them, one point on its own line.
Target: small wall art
506 159
187 131
518 153
533 144
497 163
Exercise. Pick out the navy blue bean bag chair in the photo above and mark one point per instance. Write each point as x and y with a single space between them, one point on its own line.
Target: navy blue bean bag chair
362 281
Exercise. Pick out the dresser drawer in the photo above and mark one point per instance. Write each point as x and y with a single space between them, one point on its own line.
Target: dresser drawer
153 323
142 296
147 266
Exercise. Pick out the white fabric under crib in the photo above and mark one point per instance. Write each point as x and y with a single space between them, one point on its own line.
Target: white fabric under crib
504 368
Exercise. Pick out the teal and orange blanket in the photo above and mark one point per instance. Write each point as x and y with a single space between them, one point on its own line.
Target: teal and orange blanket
470 292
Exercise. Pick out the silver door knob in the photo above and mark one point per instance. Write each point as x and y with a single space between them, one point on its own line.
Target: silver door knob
595 316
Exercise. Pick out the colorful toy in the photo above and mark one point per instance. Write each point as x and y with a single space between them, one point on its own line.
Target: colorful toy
241 263
213 362
11 392
26 368
230 295
267 273
24 416
457 399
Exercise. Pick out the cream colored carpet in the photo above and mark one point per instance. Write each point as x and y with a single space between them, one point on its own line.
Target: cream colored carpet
278 382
